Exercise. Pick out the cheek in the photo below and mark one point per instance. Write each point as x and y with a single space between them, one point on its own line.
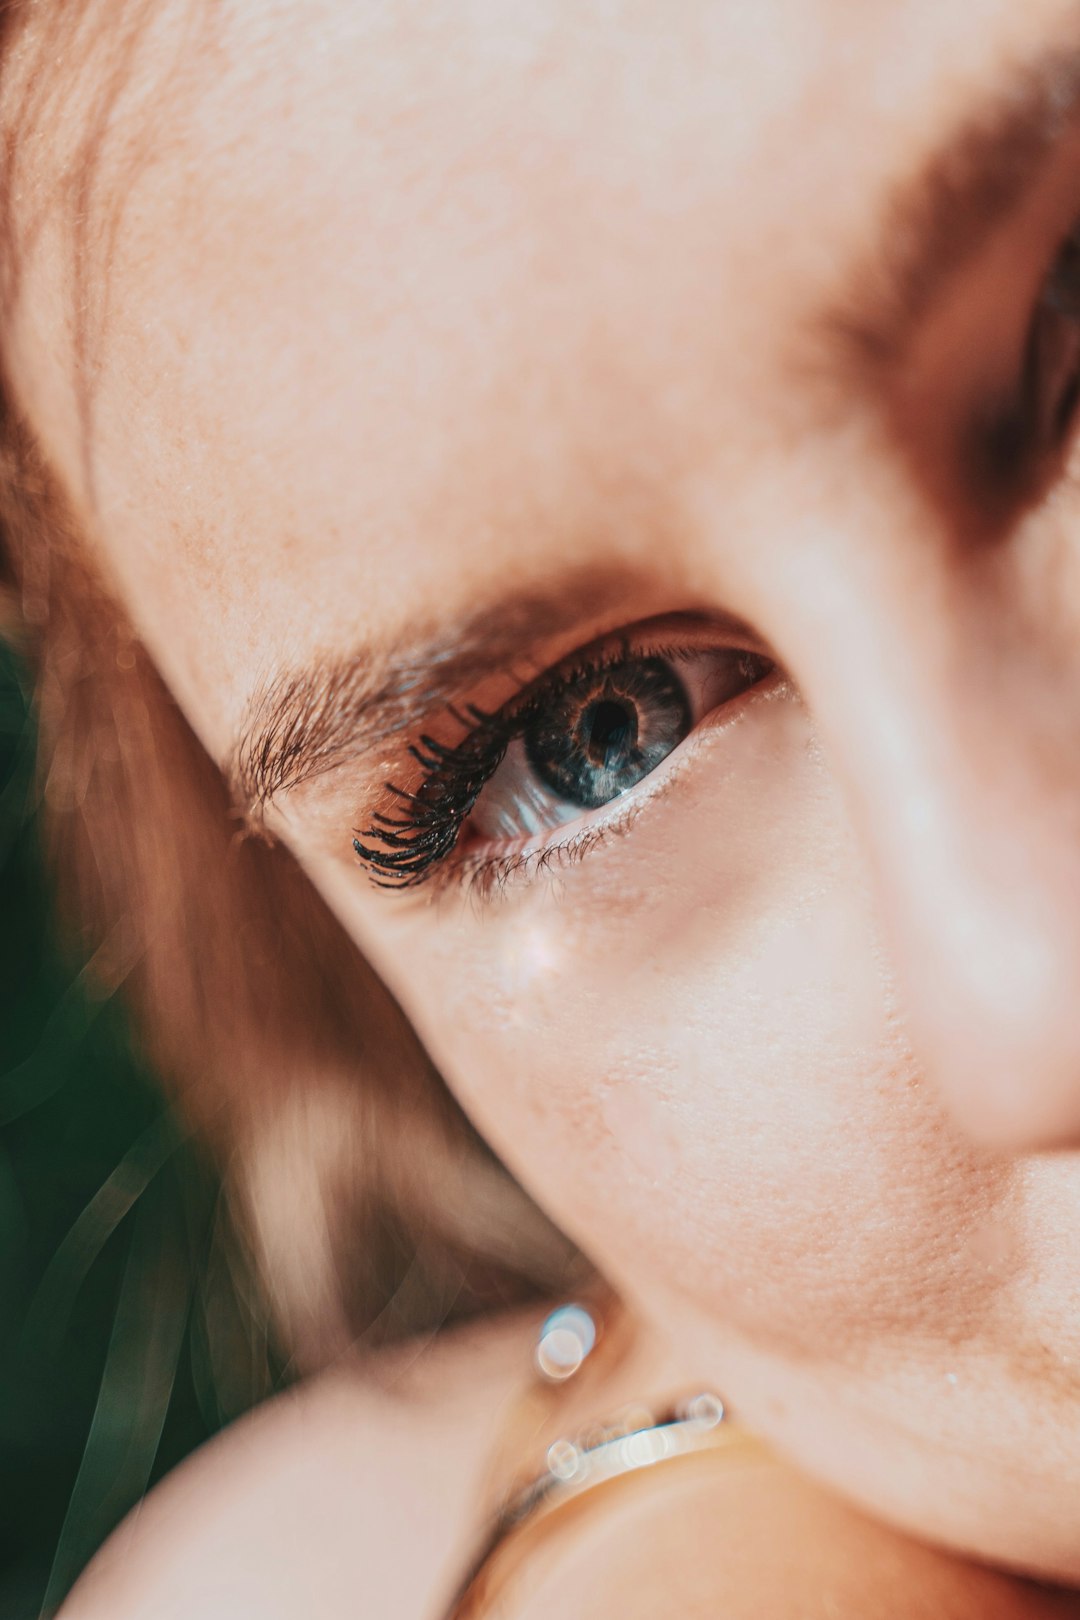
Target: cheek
685 1048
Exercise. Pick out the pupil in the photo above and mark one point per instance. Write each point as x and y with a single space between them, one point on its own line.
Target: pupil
611 732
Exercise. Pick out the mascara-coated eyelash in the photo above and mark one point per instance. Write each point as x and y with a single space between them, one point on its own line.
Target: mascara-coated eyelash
401 849
580 738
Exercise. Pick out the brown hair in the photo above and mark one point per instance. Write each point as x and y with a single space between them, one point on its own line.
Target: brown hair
372 1207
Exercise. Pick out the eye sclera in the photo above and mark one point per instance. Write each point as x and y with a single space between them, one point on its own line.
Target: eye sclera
416 838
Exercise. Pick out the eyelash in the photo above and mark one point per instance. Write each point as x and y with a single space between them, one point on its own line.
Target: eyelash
426 829
404 847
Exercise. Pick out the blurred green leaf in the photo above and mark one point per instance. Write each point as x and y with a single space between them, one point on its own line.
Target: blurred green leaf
129 1328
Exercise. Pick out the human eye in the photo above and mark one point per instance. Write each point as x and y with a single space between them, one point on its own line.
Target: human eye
1051 381
551 772
1049 394
1019 380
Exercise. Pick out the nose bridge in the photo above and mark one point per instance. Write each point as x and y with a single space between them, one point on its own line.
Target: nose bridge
948 703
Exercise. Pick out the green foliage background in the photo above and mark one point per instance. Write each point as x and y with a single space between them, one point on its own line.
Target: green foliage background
126 1332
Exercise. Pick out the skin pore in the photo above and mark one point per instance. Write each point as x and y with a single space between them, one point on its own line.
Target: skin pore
390 314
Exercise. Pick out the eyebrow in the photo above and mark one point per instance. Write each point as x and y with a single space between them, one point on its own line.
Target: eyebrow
303 723
938 221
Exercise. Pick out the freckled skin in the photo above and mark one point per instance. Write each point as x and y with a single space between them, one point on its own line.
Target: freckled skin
408 303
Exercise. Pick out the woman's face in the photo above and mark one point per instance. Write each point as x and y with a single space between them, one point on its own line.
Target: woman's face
626 448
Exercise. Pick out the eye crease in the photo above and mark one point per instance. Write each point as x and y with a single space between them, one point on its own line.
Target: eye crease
579 739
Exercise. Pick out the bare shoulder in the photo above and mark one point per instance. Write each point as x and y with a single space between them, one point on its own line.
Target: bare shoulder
753 1540
353 1495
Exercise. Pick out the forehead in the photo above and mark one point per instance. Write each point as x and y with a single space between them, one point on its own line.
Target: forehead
378 299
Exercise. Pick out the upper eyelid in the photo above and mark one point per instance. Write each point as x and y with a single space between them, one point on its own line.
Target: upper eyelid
667 636
658 637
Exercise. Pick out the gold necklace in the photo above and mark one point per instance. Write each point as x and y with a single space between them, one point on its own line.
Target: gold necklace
595 1463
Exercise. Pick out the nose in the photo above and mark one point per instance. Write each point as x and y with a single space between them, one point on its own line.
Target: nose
946 689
